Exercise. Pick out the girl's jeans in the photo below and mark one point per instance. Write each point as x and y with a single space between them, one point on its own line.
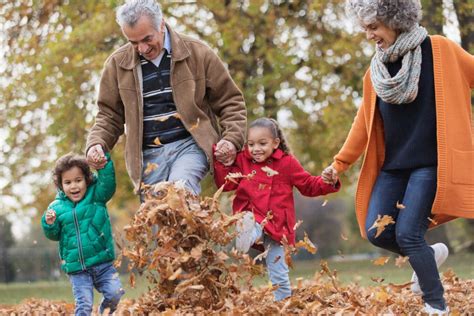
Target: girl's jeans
415 189
276 264
105 279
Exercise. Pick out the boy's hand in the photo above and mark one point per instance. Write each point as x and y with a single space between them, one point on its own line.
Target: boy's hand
50 217
329 175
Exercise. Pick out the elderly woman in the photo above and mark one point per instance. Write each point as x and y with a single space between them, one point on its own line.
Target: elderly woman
414 127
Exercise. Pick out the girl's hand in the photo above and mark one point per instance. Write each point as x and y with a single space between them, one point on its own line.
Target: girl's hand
50 217
96 157
329 175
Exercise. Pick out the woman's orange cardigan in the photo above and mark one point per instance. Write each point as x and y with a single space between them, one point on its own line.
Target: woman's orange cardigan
453 79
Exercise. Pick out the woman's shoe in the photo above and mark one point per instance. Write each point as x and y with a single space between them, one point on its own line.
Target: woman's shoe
441 253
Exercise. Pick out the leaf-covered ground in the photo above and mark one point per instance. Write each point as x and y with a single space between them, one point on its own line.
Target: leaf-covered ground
180 244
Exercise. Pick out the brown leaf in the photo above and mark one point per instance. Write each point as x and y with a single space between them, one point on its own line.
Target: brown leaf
343 237
157 141
400 261
380 224
400 206
432 221
307 244
195 125
380 261
150 167
270 172
132 280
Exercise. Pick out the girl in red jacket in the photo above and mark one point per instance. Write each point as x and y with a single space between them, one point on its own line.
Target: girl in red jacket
263 175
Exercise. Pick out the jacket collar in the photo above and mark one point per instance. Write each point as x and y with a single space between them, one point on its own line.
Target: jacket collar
277 154
179 51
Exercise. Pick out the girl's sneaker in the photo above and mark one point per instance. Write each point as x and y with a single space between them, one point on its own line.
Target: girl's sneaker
441 252
245 229
434 311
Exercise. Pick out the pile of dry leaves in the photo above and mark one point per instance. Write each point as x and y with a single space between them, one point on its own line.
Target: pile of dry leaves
180 243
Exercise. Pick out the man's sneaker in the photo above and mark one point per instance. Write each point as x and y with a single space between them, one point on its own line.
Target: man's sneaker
434 311
245 231
441 252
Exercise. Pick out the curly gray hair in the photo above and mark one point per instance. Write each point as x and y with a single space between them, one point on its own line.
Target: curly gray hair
132 10
399 15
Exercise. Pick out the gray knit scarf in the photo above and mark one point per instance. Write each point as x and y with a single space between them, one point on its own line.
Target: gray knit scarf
403 88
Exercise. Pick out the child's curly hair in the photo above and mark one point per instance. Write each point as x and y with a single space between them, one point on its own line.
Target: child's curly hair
274 128
67 162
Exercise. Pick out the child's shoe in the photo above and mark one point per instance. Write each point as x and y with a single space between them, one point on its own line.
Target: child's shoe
441 252
245 229
434 311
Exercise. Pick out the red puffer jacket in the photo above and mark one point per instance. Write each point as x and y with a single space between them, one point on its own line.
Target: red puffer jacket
262 192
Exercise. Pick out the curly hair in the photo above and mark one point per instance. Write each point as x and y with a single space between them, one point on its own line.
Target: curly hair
398 15
68 162
274 128
132 10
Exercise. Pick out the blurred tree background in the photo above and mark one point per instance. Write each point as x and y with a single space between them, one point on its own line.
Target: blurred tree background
301 62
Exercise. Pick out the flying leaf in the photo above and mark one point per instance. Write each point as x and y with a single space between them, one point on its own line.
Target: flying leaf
307 244
132 280
157 141
380 224
400 261
400 206
432 221
150 167
195 125
297 224
270 172
381 261
325 203
343 237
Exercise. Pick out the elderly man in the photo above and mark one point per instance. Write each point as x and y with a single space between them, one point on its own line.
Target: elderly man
172 96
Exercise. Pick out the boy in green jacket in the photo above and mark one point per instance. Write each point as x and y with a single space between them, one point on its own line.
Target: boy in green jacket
78 219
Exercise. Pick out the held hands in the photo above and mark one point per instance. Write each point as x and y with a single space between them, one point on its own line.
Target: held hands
96 157
225 152
329 175
50 217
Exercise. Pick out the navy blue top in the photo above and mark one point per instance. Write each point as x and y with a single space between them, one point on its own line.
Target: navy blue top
410 128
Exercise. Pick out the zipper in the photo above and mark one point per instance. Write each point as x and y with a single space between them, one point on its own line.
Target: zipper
78 236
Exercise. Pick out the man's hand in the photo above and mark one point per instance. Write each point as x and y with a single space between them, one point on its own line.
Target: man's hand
329 175
96 157
50 217
225 152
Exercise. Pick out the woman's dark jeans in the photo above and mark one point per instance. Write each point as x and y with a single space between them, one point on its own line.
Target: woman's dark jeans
415 189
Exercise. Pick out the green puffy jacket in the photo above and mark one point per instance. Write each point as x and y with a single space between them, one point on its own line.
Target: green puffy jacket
83 229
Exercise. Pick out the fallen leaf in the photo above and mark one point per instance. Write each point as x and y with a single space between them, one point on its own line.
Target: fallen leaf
377 280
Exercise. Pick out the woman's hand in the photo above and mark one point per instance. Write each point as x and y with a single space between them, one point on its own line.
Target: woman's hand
329 175
50 217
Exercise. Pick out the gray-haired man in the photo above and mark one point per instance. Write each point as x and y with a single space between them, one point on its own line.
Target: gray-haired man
173 98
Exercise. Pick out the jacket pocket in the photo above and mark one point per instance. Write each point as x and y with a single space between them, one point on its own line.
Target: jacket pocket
463 167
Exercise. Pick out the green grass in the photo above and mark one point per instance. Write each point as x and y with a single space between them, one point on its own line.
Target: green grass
354 271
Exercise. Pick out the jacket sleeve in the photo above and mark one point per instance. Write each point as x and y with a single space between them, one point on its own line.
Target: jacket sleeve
52 231
105 185
110 120
357 139
226 100
307 184
221 171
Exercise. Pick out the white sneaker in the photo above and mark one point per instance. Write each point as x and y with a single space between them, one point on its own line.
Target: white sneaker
434 311
245 229
441 252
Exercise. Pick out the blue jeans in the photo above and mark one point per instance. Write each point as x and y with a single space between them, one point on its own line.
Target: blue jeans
278 271
179 160
415 189
105 279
